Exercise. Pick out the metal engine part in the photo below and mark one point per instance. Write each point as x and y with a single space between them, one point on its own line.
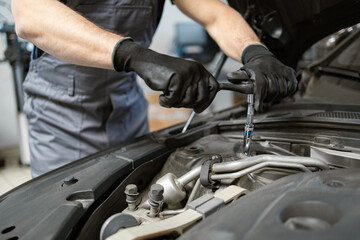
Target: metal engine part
174 192
196 211
187 201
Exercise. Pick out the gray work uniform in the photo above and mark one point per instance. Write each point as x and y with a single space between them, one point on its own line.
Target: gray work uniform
74 111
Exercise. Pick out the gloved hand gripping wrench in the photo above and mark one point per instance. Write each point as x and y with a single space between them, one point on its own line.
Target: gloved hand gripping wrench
245 86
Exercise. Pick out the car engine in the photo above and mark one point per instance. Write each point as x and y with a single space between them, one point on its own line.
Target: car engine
215 172
204 176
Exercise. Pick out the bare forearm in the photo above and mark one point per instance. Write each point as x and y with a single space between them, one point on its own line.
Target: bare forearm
226 26
63 33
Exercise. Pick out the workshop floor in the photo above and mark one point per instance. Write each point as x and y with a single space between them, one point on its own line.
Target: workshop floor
12 174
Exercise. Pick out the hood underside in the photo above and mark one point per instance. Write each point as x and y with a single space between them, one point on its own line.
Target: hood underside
288 28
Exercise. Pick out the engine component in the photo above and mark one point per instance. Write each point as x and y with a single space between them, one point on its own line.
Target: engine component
199 209
155 199
117 222
319 205
173 189
174 224
190 199
131 193
262 165
208 203
206 172
233 169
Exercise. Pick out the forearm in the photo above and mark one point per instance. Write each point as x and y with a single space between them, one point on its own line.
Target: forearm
225 25
63 33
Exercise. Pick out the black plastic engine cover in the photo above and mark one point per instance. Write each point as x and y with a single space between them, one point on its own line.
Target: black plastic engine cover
323 205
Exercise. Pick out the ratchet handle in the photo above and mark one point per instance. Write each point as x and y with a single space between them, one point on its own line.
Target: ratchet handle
240 82
246 87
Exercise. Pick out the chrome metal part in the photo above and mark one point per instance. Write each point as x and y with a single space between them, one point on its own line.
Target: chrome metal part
262 165
230 167
189 176
249 126
191 198
188 122
250 161
173 189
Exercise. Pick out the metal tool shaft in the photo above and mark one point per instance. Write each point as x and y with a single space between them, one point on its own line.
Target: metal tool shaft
188 122
249 126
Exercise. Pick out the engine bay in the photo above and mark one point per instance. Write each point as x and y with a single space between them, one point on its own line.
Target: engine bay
204 176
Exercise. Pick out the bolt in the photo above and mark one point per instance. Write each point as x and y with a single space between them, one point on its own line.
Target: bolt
131 192
156 193
131 189
69 180
156 198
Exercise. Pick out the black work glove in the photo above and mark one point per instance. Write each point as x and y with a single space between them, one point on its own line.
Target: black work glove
272 79
183 83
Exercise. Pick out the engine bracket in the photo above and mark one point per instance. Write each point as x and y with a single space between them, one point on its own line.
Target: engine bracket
206 172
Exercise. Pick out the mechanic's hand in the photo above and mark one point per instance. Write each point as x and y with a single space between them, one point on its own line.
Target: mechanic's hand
272 79
183 83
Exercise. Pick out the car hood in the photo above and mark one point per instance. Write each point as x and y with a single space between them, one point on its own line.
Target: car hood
288 28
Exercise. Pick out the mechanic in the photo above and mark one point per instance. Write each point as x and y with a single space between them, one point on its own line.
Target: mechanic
81 86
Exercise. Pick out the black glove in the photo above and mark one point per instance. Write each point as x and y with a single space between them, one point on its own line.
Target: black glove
272 79
183 83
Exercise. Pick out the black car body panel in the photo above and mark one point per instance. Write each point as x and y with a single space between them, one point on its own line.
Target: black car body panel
52 207
289 28
286 209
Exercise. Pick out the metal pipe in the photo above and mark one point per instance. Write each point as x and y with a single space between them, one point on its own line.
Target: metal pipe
250 161
194 191
251 169
234 166
191 197
171 212
189 176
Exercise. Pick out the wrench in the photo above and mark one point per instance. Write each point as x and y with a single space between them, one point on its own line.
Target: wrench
245 86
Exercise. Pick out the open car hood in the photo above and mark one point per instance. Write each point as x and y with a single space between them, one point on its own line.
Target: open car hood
288 28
